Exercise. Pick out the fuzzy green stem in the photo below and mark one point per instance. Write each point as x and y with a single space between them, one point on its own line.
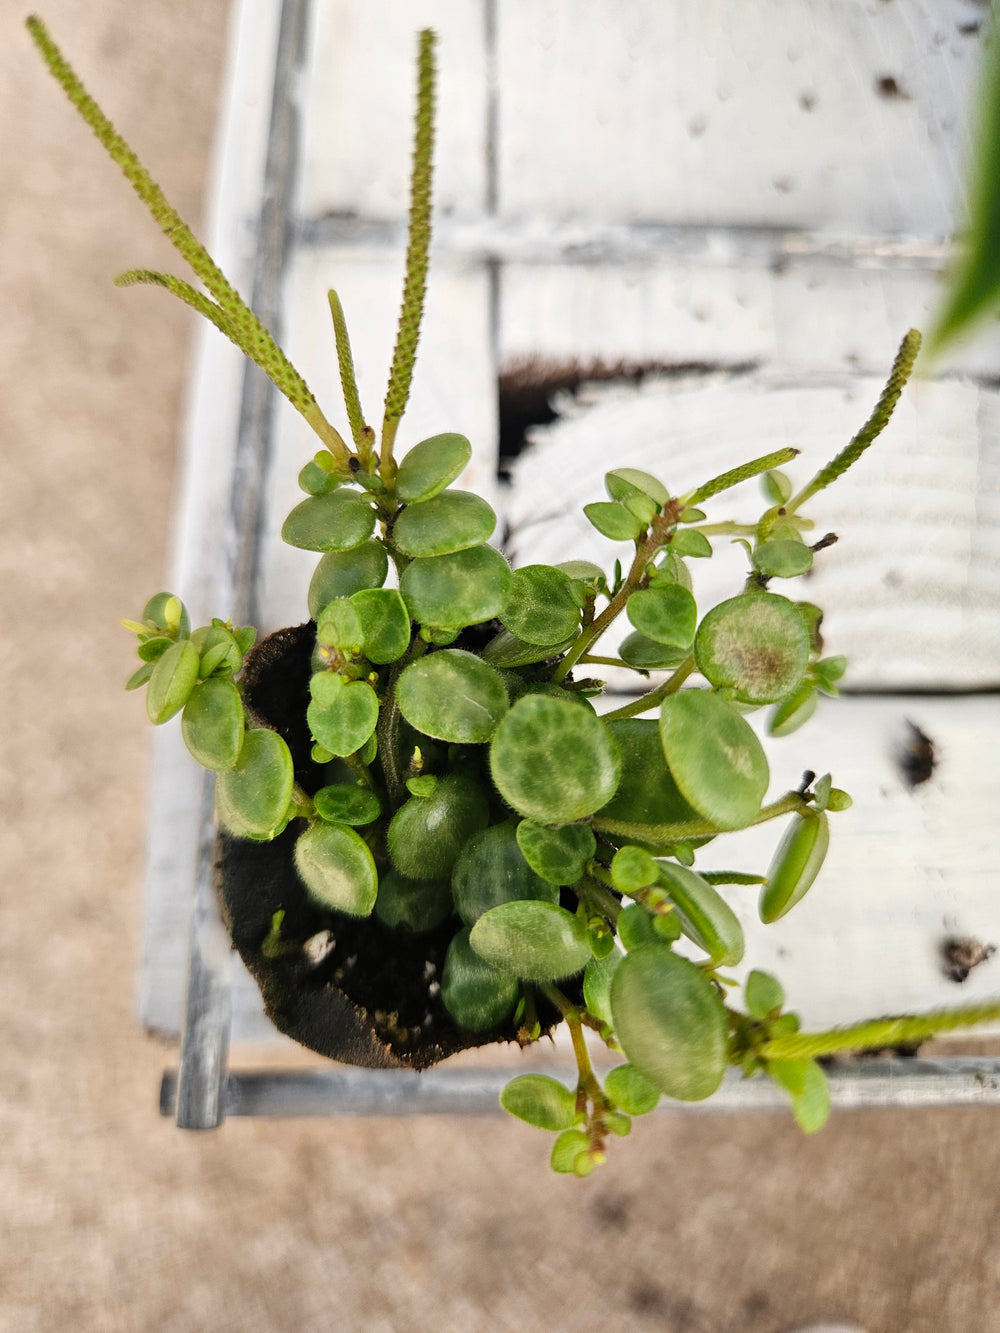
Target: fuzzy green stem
587 1078
596 889
694 828
418 245
647 701
243 326
645 551
185 292
361 432
737 474
873 427
904 1030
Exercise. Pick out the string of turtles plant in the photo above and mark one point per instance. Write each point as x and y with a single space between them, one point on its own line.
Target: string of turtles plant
469 777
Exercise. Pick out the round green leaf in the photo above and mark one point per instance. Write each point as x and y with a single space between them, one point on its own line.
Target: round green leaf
622 482
648 655
633 869
168 612
453 695
597 986
344 725
536 941
219 650
212 723
670 1022
252 798
636 927
628 1089
140 677
691 542
583 571
151 650
507 650
705 916
793 712
477 996
777 486
412 904
569 1152
490 870
647 793
764 995
554 761
172 681
430 466
341 573
806 1083
795 865
451 591
452 521
338 625
783 558
385 624
315 480
339 521
668 614
337 868
560 855
344 803
613 520
715 758
428 832
542 607
754 645
541 1101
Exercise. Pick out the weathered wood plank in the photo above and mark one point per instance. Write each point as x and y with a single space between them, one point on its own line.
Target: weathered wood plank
912 589
848 118
730 299
358 100
199 560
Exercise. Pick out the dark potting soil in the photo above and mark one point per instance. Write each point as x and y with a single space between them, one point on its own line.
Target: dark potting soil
364 994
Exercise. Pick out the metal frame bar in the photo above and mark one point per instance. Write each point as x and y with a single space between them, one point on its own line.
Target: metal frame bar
900 1084
205 1042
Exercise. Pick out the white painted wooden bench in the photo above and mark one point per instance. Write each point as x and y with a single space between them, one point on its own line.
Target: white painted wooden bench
767 187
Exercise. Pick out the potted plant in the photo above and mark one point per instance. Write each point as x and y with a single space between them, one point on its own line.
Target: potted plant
430 838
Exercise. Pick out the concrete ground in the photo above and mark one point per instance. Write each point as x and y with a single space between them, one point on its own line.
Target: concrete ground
111 1218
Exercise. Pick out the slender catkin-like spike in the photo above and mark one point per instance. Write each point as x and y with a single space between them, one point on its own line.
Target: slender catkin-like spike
362 433
902 368
902 1031
242 325
418 244
185 292
742 473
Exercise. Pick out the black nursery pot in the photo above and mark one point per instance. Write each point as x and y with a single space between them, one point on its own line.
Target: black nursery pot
373 997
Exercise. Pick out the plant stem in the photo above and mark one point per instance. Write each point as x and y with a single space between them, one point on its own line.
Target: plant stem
658 534
737 474
241 324
695 828
902 367
361 432
594 889
902 1030
588 1079
646 701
